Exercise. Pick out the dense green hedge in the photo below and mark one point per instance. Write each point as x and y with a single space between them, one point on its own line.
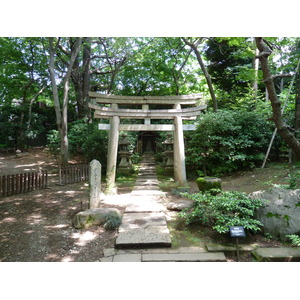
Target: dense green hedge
228 141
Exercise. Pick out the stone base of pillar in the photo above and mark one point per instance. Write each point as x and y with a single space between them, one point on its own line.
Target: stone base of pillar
169 171
125 170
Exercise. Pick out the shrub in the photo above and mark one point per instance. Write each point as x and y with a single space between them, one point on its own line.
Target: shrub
295 239
53 142
228 141
112 221
223 210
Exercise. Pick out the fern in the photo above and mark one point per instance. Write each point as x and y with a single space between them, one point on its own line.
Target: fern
295 239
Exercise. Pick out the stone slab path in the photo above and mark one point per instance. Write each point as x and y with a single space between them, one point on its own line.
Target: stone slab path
277 254
144 223
183 254
143 235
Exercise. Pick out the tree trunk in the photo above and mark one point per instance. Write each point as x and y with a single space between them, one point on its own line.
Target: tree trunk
62 112
297 116
206 74
288 137
255 80
86 73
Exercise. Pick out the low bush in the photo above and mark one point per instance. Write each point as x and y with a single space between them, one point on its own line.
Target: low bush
112 222
295 239
223 210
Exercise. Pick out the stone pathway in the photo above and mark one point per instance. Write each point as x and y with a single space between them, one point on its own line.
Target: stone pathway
183 254
143 235
144 223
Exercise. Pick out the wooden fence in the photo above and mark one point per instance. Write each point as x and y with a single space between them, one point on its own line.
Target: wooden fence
73 173
23 183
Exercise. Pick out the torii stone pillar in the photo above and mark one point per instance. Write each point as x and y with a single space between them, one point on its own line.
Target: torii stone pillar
112 152
179 156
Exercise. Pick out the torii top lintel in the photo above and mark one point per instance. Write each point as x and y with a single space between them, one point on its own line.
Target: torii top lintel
180 99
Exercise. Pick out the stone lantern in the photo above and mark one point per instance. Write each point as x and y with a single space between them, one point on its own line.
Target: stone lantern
169 154
125 164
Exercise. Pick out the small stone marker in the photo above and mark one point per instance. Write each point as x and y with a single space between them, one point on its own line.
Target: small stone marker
95 184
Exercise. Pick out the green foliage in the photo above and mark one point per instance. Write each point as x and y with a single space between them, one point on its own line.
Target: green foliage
230 64
295 239
53 142
205 185
180 190
228 141
294 180
85 139
95 146
112 221
223 210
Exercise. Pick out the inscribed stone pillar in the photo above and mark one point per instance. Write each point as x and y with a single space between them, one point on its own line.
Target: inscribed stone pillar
112 152
179 156
95 184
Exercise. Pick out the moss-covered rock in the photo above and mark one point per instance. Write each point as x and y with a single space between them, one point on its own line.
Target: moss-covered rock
96 216
207 183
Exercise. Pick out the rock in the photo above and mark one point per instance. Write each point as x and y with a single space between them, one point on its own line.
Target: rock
94 216
179 205
207 183
281 214
277 254
95 183
21 154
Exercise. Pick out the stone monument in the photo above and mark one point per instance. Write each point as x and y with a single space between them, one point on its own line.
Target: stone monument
95 184
169 153
125 165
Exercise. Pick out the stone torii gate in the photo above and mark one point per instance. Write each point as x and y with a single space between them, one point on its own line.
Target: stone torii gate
115 112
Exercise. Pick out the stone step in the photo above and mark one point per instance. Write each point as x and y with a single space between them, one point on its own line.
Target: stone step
144 206
277 254
144 237
147 193
142 220
148 165
184 257
148 173
226 248
192 249
145 187
164 257
142 175
140 182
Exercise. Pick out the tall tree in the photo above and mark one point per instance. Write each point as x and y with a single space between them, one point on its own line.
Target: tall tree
194 45
61 110
22 80
265 50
